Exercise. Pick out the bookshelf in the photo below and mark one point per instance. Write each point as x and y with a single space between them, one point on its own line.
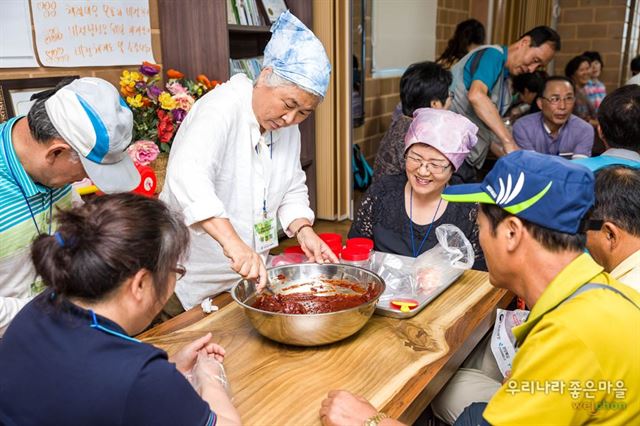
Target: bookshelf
196 39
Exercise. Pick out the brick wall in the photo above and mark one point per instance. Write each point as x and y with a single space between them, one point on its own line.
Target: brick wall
111 74
383 94
593 25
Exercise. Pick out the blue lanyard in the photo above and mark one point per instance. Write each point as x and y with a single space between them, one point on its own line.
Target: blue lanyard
26 200
94 324
413 244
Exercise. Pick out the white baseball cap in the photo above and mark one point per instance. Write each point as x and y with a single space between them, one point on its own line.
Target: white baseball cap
91 116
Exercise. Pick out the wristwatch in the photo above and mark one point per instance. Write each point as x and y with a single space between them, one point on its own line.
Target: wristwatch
375 420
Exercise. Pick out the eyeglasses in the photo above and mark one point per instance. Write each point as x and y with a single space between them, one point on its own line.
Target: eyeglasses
180 271
555 100
433 168
593 225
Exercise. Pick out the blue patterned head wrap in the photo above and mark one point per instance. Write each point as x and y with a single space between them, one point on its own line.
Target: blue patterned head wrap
296 54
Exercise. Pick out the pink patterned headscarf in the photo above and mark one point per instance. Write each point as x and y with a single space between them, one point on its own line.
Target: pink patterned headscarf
450 133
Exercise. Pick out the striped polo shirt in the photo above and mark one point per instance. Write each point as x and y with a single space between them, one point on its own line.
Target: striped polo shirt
17 228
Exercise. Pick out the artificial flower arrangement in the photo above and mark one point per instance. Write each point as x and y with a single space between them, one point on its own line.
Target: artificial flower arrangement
158 110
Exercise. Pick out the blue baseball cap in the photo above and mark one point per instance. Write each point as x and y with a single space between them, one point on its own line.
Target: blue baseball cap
547 190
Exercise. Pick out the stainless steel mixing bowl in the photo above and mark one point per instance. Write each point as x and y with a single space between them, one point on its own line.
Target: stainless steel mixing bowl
308 329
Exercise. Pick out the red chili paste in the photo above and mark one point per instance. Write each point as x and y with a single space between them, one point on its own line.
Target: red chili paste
312 303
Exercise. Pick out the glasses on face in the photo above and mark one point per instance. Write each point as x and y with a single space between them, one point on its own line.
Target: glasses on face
433 168
180 271
555 100
593 225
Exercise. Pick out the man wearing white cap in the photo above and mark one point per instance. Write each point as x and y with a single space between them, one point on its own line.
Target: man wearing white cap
79 129
235 166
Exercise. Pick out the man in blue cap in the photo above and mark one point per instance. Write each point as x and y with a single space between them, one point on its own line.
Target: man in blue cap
578 353
577 361
235 167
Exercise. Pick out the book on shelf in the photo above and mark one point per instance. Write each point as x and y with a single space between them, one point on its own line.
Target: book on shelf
249 66
232 13
274 8
244 12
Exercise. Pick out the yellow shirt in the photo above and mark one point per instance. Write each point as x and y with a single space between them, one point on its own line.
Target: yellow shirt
579 363
628 271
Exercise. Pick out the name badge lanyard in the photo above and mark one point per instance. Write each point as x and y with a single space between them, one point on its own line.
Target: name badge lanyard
266 171
26 200
413 244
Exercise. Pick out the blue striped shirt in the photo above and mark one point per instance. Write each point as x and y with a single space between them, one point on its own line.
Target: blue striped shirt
13 177
18 226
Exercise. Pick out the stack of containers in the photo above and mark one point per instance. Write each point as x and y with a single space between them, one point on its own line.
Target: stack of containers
357 252
334 241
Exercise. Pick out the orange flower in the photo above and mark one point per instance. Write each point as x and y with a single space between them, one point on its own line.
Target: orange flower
127 91
201 78
150 65
171 73
209 84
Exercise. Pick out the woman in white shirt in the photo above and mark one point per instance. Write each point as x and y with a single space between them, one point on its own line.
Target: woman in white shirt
235 166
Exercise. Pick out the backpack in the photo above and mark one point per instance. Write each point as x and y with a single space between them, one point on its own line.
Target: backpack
362 171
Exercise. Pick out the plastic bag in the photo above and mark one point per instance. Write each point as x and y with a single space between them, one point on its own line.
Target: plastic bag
445 262
397 273
210 369
426 276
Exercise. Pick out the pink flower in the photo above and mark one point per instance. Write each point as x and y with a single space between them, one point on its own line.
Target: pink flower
184 101
143 152
176 88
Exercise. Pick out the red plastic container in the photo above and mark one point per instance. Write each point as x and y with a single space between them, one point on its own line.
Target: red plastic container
360 242
293 250
335 247
330 238
356 256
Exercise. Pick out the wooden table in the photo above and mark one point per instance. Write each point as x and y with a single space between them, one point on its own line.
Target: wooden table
398 365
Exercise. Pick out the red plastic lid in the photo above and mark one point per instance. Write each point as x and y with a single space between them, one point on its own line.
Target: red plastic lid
329 238
355 253
360 242
335 247
293 250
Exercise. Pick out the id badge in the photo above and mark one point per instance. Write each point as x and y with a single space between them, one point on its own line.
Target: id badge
265 234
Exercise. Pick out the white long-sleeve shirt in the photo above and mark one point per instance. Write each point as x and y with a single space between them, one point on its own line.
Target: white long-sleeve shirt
218 167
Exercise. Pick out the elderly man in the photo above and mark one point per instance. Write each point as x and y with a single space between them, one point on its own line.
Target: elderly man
235 166
615 240
482 92
80 129
531 231
554 130
619 128
572 366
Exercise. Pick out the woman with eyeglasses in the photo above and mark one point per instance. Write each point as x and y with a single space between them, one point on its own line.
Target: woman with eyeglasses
400 212
68 358
578 69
